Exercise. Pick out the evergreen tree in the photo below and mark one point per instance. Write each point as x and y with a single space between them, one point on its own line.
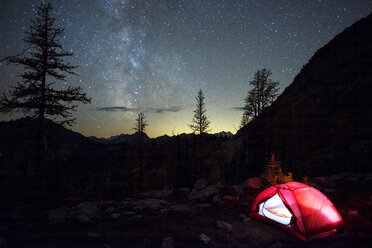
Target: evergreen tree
244 121
200 122
141 125
262 94
44 65
140 128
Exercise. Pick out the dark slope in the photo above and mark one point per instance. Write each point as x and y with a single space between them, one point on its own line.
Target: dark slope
75 164
323 121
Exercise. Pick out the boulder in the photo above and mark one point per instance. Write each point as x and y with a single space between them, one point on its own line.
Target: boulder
253 183
200 184
325 182
204 194
204 238
150 203
86 212
167 242
352 213
23 213
93 235
159 194
217 198
115 216
224 225
201 206
244 218
230 190
127 202
110 210
182 193
328 190
56 217
182 208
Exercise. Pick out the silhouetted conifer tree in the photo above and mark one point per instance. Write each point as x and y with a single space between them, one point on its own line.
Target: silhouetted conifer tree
35 94
200 124
43 65
140 129
262 94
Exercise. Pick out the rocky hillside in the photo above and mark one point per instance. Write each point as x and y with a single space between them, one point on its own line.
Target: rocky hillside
322 121
206 215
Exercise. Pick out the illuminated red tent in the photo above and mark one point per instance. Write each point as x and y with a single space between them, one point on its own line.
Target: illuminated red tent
298 208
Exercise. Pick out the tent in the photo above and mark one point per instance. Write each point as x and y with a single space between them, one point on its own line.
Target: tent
298 208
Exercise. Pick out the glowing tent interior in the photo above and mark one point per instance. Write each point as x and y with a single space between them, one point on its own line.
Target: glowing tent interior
298 208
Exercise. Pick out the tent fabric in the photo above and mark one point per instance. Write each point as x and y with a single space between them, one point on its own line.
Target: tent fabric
312 213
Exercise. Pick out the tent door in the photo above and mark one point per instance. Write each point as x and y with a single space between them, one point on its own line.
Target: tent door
274 209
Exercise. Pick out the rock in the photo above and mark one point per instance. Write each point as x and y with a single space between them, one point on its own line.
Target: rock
337 177
182 193
182 208
56 217
328 190
167 242
86 212
244 218
136 217
224 225
200 184
352 213
232 190
158 194
93 235
325 182
217 198
150 204
23 213
352 180
254 183
277 244
108 206
115 216
204 238
201 206
128 213
126 202
204 194
110 210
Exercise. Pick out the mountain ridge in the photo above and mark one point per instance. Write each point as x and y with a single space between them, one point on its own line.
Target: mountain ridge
322 119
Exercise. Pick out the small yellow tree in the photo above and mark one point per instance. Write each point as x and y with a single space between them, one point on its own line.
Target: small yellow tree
288 178
274 174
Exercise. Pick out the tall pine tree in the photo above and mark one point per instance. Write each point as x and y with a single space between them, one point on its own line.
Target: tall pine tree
43 65
200 122
262 94
140 129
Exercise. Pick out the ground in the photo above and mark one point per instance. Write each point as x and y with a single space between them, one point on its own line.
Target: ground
170 218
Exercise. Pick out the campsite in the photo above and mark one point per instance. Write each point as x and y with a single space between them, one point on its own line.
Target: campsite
216 217
182 123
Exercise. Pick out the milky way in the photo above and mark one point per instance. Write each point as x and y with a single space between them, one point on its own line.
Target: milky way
153 56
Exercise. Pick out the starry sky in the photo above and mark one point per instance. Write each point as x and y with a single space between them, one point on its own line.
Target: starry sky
153 56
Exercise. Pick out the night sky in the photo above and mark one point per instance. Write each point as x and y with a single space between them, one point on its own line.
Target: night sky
153 56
